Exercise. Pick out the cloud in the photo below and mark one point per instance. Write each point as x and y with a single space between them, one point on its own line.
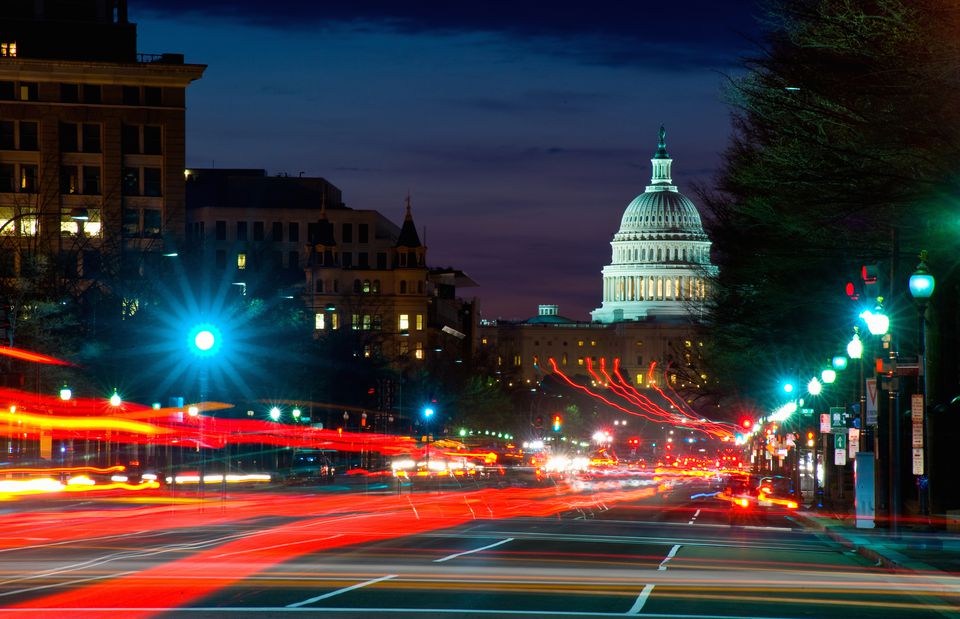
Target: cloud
672 36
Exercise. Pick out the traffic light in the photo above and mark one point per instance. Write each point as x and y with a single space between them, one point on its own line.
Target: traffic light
809 439
854 290
872 284
633 441
557 423
746 423
538 422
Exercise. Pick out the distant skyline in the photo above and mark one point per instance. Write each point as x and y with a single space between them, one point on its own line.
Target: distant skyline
520 134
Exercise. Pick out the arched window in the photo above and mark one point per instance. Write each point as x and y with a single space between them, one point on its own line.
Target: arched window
403 286
659 254
319 285
420 287
366 286
375 289
336 285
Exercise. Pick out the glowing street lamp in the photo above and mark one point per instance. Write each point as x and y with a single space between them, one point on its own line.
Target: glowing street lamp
65 393
855 346
922 284
275 413
115 399
839 362
828 376
814 387
878 323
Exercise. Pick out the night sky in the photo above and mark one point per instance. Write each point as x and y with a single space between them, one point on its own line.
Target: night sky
521 129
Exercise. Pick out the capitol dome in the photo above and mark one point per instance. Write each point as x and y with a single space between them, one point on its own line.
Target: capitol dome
661 255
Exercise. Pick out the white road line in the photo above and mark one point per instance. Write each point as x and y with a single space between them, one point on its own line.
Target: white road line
648 589
467 552
641 600
339 591
697 513
670 555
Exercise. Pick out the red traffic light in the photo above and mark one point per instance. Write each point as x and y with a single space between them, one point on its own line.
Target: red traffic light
853 291
746 423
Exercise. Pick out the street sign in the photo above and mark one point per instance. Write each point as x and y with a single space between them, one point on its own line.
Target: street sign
871 393
918 461
840 449
838 417
806 412
853 444
916 419
825 423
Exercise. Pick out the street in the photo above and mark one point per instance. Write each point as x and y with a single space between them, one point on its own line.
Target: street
590 549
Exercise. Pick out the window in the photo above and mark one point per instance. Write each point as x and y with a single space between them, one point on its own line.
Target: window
364 260
70 93
319 285
580 343
91 137
8 49
355 322
152 140
366 322
381 260
131 95
346 259
131 222
366 286
334 318
28 178
357 286
241 231
8 135
377 322
152 182
6 91
419 322
418 350
420 287
293 261
319 320
69 180
347 233
375 289
294 229
152 95
276 234
8 175
258 231
241 261
404 322
640 360
151 222
28 135
28 91
68 138
130 182
221 259
363 233
221 230
130 139
91 180
403 286
92 93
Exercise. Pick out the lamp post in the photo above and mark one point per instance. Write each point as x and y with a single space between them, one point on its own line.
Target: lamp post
204 342
921 285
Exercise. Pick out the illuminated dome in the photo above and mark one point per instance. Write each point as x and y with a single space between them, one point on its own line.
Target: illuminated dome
661 255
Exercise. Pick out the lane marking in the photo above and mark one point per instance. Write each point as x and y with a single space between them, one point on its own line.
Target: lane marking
648 588
369 612
697 513
259 548
339 591
670 555
641 600
467 552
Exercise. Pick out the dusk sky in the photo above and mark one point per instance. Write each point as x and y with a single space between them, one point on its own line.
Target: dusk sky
521 129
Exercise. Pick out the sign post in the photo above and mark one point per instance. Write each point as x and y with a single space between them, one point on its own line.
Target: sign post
840 449
916 418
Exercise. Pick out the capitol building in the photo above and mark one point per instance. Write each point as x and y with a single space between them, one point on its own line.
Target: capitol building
661 255
654 290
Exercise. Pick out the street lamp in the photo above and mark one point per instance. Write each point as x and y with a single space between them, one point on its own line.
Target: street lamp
921 285
275 413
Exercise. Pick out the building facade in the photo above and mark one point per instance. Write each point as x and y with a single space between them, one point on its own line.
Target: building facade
92 141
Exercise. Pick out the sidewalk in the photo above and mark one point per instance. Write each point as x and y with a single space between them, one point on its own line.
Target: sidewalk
916 549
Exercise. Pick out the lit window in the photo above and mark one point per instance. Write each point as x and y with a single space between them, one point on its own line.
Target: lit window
483 341
419 322
334 321
319 321
366 322
404 322
355 321
579 360
241 261
639 379
563 359
366 351
418 353
8 49
580 343
593 342
687 343
366 286
404 347
517 361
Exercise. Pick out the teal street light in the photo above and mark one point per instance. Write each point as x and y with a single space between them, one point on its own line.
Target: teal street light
878 323
828 376
204 340
839 362
788 387
275 413
922 281
814 387
428 412
115 399
855 346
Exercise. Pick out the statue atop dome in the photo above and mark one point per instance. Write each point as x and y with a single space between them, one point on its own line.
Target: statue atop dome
662 145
